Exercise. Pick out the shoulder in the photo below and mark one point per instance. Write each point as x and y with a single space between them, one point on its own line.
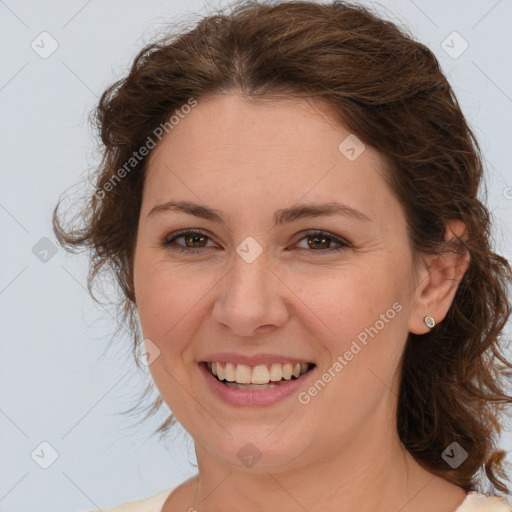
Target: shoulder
151 504
478 502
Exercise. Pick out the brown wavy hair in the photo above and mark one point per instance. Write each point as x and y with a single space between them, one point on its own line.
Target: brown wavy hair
389 90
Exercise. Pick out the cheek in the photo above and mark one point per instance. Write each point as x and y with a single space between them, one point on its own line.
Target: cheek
369 336
171 301
349 299
361 315
165 304
158 300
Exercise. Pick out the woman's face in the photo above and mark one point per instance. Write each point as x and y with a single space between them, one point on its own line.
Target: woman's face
253 291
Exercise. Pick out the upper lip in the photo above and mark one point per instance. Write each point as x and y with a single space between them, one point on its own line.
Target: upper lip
252 360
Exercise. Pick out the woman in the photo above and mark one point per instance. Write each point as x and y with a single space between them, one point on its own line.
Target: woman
288 201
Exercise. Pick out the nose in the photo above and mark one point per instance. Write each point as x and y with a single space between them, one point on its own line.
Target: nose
252 299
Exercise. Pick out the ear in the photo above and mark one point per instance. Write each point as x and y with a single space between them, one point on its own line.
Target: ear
437 280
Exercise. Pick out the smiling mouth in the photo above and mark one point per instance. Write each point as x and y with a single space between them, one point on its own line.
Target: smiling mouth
259 377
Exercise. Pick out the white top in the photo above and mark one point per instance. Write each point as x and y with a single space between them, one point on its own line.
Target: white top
474 502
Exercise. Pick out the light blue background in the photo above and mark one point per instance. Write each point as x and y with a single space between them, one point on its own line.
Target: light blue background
55 387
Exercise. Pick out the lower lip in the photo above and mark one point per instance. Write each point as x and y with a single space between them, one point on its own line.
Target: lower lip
249 398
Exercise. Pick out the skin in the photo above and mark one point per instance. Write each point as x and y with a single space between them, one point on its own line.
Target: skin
341 451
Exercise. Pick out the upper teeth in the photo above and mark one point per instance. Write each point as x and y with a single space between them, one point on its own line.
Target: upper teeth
260 374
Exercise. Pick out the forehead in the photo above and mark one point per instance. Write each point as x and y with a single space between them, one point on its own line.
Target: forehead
224 123
230 151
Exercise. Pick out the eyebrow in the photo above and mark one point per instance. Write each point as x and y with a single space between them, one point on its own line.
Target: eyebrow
282 216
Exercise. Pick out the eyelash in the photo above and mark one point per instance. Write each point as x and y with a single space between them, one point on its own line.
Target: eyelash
190 250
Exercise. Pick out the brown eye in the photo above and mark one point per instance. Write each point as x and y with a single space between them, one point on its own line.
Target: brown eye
320 242
195 241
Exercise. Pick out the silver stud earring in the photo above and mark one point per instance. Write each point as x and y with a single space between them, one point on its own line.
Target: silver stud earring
429 321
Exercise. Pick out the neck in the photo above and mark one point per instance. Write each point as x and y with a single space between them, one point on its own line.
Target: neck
371 473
